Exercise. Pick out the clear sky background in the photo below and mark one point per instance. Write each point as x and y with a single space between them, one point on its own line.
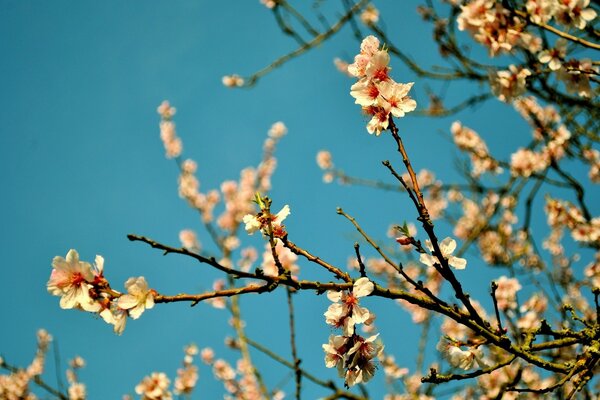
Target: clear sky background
82 166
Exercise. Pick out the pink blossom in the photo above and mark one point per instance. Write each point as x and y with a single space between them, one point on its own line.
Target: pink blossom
138 298
277 130
370 15
508 85
506 293
447 247
72 280
154 387
189 240
165 110
233 81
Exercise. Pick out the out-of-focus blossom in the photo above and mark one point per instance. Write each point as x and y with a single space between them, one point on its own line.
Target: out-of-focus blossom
574 13
324 160
277 130
342 66
554 56
468 140
154 387
370 15
506 293
285 256
232 81
172 143
576 76
525 162
269 3
189 240
508 85
165 110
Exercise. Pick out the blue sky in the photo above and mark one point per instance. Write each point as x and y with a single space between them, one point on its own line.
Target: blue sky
83 166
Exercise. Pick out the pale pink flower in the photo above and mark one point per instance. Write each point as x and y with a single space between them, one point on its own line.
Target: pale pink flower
172 143
223 371
575 75
458 358
116 316
186 379
506 293
379 121
554 56
447 247
233 81
261 222
525 162
189 240
165 110
77 391
277 130
72 280
342 66
575 13
285 256
207 355
541 11
269 3
324 160
154 387
77 362
396 97
508 85
345 311
138 298
359 360
365 91
335 351
370 15
368 47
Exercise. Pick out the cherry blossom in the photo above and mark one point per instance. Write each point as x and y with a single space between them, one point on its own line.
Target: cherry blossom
265 222
447 247
154 387
71 279
508 85
138 298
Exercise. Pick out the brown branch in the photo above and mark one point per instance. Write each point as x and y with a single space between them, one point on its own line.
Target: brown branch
433 376
297 361
251 80
206 260
37 380
558 32
338 273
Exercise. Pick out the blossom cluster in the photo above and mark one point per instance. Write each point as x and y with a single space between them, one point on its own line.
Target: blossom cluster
168 134
351 353
469 141
376 92
495 27
509 85
239 382
236 196
562 214
269 224
83 286
15 386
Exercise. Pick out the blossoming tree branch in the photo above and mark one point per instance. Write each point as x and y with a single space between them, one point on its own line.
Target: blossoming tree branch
529 344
